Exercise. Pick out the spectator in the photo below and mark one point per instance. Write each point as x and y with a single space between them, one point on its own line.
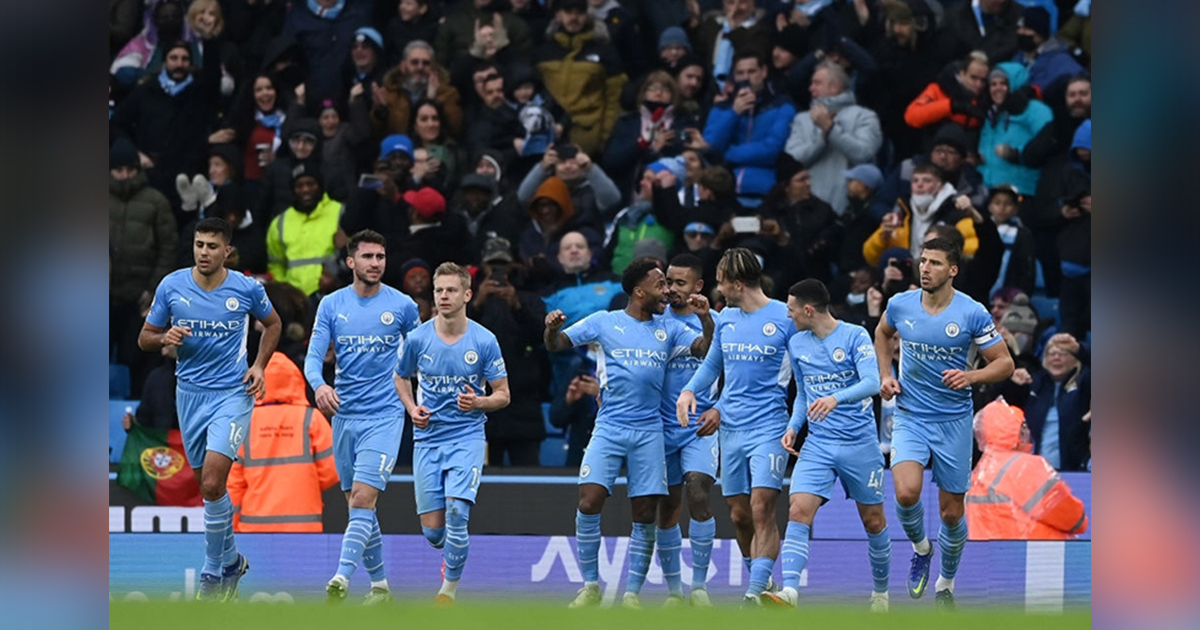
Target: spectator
1075 236
1017 268
788 73
433 235
583 72
416 78
582 286
275 195
1047 58
416 282
536 16
142 239
1052 141
340 143
1015 495
163 25
905 226
494 121
205 19
1059 403
256 124
413 21
632 45
157 408
1012 121
956 96
286 460
325 30
654 130
124 18
490 45
487 221
573 405
367 64
1077 32
516 317
720 37
543 120
949 153
595 198
553 215
249 240
811 233
638 223
864 208
674 48
833 135
860 68
714 204
284 58
167 118
444 159
908 61
693 88
300 240
224 165
456 34
379 205
748 126
989 26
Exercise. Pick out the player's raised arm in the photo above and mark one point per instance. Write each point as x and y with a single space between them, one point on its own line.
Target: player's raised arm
884 332
702 343
555 339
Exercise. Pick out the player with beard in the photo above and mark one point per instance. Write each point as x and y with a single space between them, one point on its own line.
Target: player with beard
937 326
633 348
750 350
367 323
204 310
692 454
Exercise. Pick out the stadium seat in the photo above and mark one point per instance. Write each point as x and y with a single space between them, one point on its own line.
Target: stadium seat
118 381
551 430
1047 308
554 452
116 433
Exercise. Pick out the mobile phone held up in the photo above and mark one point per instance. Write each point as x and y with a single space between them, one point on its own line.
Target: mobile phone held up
370 182
746 225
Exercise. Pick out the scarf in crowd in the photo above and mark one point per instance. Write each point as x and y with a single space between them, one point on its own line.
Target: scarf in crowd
324 13
274 121
654 122
171 86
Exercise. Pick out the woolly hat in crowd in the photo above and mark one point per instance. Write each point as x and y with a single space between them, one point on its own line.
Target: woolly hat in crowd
868 174
481 182
368 34
123 153
414 263
650 248
674 36
1037 20
308 168
673 165
953 136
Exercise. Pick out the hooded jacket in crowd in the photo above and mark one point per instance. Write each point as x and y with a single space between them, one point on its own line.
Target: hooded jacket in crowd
583 72
142 238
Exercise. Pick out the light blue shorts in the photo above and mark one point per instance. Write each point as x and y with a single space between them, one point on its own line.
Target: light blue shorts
639 450
822 462
751 459
446 470
212 420
688 452
365 450
948 443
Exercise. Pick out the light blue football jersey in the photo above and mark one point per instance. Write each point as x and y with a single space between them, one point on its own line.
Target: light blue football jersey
825 367
680 370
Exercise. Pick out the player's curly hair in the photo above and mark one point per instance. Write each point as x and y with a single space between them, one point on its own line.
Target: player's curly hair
635 273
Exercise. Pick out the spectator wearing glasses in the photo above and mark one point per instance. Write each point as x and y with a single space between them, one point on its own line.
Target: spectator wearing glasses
416 78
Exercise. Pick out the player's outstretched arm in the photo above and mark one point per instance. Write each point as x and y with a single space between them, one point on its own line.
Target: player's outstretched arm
554 338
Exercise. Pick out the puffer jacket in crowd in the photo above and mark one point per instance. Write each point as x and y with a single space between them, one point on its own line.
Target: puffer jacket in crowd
583 73
751 142
142 237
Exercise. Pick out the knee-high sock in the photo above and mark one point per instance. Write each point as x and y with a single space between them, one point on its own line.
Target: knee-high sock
458 541
760 574
354 541
912 518
230 553
218 524
587 540
794 553
700 535
435 535
669 544
951 540
373 554
641 548
879 547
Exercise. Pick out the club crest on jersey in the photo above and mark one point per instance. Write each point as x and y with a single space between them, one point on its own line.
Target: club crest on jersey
769 329
660 334
231 304
471 357
387 318
839 355
584 471
952 329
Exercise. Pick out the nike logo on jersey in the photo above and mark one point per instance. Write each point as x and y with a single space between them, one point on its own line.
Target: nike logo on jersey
910 323
344 317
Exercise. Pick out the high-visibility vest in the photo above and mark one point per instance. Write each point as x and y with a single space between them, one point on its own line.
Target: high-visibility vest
285 461
299 244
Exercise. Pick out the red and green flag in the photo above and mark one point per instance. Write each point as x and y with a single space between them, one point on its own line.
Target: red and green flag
154 468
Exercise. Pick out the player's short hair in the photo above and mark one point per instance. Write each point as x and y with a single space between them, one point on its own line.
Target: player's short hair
635 273
215 225
452 269
953 252
948 232
688 261
364 236
739 264
812 292
930 168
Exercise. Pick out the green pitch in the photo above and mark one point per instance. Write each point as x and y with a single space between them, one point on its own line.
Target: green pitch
536 616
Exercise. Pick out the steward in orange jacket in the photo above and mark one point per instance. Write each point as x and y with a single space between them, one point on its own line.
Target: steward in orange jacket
286 460
1015 495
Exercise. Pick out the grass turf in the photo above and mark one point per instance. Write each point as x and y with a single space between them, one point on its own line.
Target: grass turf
538 615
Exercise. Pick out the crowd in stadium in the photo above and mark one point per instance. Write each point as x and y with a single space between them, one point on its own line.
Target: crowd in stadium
546 144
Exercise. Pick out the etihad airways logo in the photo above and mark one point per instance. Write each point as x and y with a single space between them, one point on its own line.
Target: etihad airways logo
211 327
367 343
